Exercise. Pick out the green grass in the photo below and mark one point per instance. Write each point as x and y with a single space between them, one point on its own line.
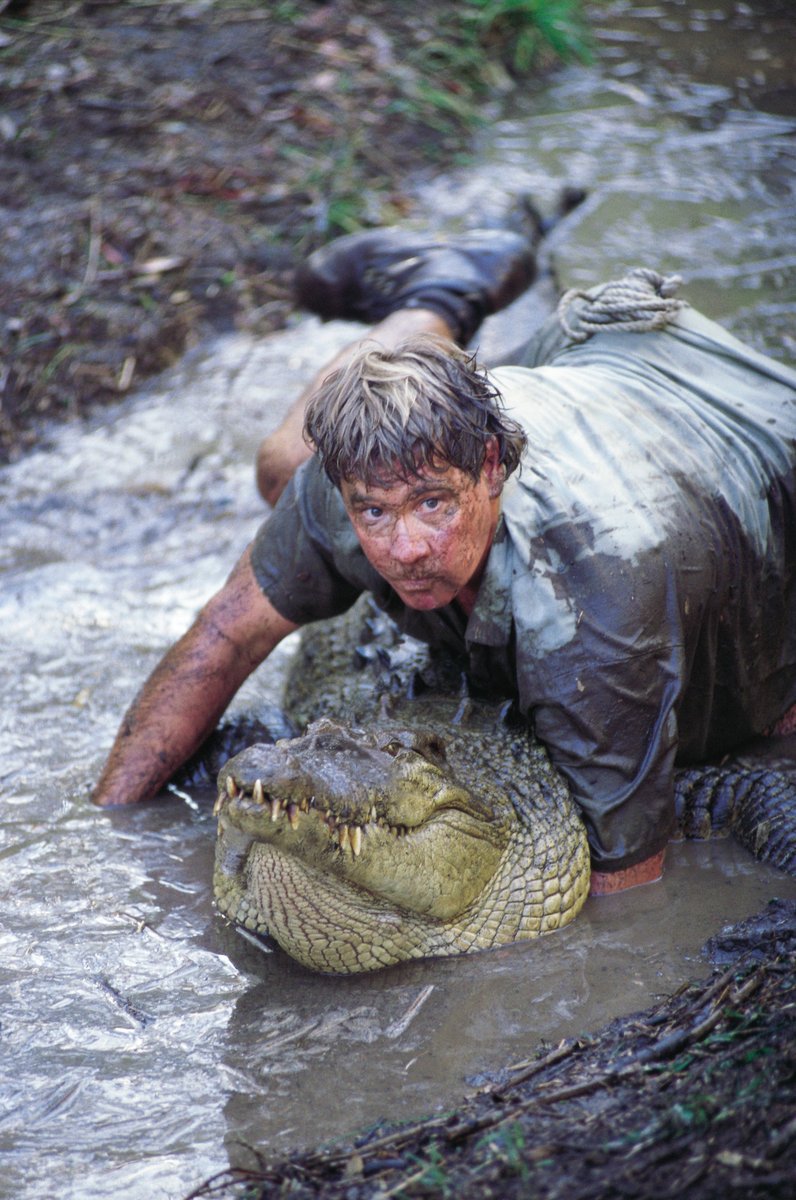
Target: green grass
475 45
521 31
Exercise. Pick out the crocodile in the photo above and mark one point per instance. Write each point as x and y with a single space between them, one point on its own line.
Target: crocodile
411 820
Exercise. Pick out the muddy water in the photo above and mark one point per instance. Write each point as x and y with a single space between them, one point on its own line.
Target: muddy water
142 1041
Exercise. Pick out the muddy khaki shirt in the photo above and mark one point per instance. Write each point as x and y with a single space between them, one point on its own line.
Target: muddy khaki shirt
639 599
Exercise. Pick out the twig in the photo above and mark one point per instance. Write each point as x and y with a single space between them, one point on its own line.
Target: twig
389 1141
528 1070
675 1041
31 22
94 243
401 1024
403 1183
720 984
292 43
135 1015
783 1136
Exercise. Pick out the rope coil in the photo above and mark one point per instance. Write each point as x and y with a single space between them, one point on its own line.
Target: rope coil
642 301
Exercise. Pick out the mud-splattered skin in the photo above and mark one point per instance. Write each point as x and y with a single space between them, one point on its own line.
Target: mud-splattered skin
419 825
429 536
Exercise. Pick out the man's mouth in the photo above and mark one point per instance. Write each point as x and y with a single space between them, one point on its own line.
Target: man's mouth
414 584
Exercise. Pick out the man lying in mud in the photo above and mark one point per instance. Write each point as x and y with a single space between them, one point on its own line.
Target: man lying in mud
607 531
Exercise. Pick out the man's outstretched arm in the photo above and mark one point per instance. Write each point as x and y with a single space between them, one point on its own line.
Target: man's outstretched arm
181 702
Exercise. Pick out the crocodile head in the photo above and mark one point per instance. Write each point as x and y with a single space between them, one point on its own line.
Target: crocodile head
355 849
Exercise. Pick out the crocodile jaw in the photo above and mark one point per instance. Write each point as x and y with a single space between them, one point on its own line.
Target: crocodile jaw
424 870
325 924
333 927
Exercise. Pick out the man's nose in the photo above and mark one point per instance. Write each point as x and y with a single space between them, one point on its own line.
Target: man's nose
409 543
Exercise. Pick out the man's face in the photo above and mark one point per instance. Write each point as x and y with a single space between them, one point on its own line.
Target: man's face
429 536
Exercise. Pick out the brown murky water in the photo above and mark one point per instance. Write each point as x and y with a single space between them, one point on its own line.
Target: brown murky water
141 1040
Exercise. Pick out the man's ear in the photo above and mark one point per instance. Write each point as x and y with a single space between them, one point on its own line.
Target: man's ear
493 470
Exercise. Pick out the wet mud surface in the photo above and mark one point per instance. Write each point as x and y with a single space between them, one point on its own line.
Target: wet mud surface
145 1045
693 1097
163 165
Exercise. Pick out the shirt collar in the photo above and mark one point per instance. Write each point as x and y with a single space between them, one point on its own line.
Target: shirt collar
491 619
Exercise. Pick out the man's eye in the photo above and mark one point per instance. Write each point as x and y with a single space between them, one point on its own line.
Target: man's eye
373 513
432 502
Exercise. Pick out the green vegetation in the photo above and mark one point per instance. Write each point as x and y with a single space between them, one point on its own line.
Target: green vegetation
475 45
432 84
522 32
460 50
507 1146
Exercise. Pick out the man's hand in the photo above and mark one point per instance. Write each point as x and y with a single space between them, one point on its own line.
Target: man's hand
604 883
181 702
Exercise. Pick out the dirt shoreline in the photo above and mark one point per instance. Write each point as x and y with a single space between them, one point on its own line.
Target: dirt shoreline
694 1097
165 165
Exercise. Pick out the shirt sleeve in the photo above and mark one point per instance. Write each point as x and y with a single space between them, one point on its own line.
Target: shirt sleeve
305 556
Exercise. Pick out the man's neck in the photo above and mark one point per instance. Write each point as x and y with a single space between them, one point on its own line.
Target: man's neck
467 597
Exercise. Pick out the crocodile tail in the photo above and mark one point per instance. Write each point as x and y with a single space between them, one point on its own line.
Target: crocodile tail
757 805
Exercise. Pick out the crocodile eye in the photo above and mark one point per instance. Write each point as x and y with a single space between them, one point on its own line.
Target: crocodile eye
429 746
393 747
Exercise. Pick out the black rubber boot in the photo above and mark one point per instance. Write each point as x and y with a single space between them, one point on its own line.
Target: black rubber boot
464 278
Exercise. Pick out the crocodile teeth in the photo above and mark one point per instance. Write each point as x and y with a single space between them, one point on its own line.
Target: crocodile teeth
258 795
293 815
232 787
343 836
356 840
219 804
276 809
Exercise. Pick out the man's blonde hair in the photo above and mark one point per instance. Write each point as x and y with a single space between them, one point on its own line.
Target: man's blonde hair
392 413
